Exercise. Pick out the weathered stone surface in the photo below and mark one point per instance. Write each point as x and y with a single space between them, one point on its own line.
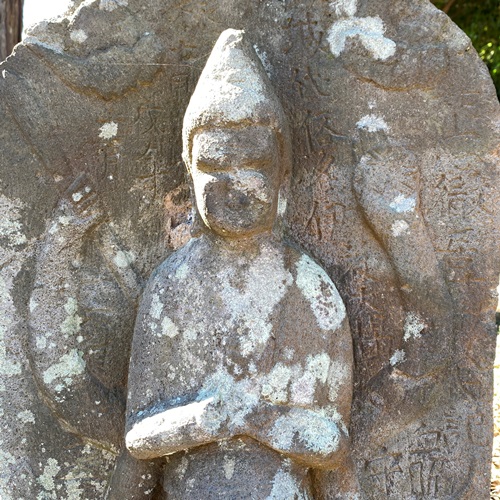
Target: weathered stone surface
394 124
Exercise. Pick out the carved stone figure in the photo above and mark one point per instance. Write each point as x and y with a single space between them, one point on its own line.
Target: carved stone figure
241 365
393 191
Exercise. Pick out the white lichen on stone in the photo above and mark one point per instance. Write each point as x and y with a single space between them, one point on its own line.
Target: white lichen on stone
369 30
275 384
14 252
74 490
50 471
72 322
285 487
264 59
6 461
8 367
111 5
282 204
229 465
156 307
398 357
318 365
169 328
352 495
231 401
181 272
41 342
372 123
344 7
11 229
108 130
182 467
64 220
318 289
399 227
69 366
251 306
336 378
414 325
304 386
26 417
403 204
303 389
124 258
318 433
78 36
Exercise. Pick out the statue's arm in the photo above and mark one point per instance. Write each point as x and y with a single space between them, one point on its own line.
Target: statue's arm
172 430
308 436
314 432
57 357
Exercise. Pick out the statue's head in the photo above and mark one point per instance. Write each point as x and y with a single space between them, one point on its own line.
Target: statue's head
235 141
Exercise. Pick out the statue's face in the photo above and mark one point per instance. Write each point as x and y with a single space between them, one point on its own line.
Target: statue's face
236 176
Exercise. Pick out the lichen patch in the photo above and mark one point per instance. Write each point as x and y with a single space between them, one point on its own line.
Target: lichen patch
372 123
124 258
169 328
369 30
71 324
229 465
336 377
285 486
231 401
156 307
26 417
414 325
318 289
399 228
78 36
275 385
251 306
11 229
69 366
398 357
318 433
403 204
108 130
344 7
50 471
111 5
8 367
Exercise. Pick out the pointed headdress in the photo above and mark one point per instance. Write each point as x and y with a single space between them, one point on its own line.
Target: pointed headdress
233 90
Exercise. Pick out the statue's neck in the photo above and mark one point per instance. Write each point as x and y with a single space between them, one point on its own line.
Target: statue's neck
247 245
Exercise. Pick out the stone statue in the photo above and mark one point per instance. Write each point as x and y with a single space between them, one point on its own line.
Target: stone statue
241 364
393 191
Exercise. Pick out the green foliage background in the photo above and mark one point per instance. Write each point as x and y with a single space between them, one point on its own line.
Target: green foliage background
480 19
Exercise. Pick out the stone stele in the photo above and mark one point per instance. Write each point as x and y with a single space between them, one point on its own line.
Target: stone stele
394 131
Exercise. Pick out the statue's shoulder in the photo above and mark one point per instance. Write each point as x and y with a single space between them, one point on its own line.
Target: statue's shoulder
300 264
316 287
175 266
